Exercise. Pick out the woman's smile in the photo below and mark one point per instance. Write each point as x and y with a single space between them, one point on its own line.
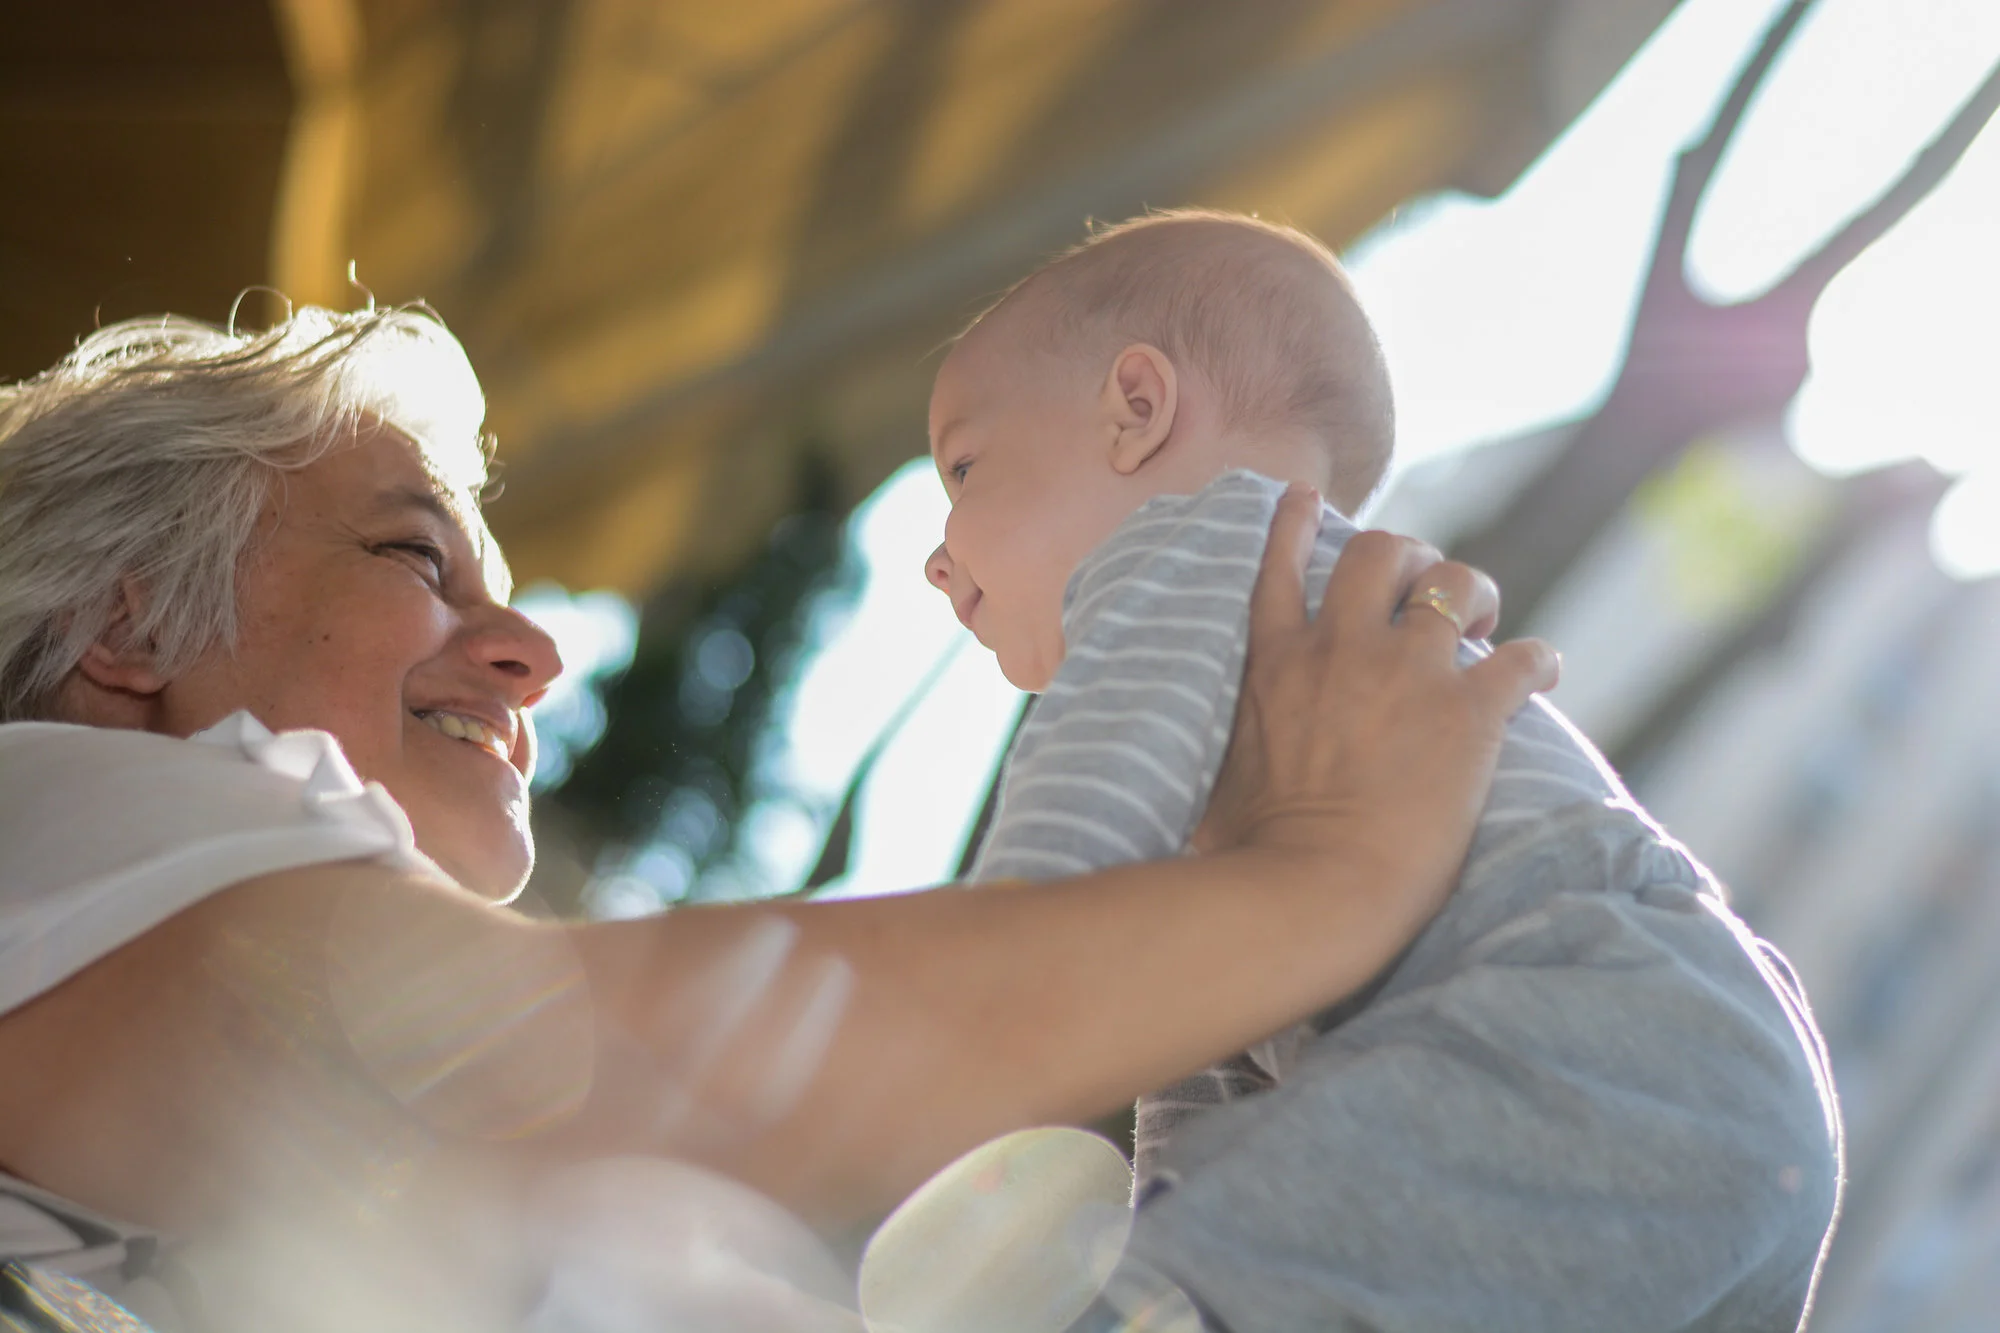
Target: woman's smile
496 741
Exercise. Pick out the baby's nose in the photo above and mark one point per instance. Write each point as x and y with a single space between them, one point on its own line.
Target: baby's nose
938 569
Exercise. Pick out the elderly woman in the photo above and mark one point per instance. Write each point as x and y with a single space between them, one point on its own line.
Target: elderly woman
264 778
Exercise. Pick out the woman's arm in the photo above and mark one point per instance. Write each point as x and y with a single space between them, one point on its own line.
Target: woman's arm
1060 1001
829 1053
950 1017
835 1054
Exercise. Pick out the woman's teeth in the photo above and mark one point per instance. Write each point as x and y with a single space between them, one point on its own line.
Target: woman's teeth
466 729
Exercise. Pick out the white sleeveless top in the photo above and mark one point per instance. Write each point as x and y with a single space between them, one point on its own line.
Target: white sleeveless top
105 834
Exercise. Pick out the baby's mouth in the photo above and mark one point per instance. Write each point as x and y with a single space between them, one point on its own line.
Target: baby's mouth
963 610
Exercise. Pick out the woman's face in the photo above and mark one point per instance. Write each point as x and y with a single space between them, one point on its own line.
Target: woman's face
373 605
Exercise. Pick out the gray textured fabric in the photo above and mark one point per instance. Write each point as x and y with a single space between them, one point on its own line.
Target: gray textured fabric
125 1263
1585 1098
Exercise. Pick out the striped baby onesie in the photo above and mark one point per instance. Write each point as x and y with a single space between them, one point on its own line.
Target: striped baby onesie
1121 753
77 1269
1585 1097
1118 758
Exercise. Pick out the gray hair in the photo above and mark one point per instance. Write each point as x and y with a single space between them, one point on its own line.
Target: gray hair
147 454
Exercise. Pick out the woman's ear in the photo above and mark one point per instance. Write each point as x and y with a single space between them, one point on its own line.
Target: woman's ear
1141 396
120 660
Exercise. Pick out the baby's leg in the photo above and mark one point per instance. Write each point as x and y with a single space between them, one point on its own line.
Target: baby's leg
1608 1114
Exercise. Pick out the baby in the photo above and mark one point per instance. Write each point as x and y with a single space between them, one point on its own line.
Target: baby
1586 1096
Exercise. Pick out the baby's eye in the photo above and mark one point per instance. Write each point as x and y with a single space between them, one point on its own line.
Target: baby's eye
959 469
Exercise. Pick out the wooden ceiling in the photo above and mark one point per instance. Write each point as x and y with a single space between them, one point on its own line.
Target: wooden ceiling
140 152
683 241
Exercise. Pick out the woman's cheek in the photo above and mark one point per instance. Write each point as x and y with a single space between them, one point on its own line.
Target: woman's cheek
415 624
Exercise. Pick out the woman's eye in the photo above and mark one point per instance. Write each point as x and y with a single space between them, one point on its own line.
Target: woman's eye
426 552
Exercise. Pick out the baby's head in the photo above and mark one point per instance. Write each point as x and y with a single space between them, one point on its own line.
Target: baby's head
1147 361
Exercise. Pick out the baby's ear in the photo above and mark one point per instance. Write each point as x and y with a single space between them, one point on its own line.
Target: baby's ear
1141 396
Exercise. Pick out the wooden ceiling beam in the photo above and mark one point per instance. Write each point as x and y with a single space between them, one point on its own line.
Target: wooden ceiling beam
985 251
151 95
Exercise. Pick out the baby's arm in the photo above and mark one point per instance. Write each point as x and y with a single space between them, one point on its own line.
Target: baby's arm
1116 763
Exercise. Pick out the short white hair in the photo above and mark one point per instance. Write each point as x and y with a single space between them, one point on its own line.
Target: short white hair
147 454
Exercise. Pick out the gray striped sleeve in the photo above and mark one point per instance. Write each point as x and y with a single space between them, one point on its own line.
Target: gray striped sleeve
1116 762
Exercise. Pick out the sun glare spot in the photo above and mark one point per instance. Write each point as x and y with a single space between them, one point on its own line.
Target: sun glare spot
1965 534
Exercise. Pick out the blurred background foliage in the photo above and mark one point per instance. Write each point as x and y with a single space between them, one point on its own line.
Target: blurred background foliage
680 754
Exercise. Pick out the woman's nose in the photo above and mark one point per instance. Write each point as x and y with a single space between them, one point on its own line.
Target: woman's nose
519 649
938 569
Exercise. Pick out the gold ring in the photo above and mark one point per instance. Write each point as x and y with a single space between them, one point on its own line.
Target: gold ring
1438 600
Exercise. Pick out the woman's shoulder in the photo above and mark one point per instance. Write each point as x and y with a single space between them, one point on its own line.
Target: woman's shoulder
20 737
232 740
108 832
49 765
237 760
78 798
25 746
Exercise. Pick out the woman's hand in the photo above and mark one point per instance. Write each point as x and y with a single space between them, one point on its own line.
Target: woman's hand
1358 734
